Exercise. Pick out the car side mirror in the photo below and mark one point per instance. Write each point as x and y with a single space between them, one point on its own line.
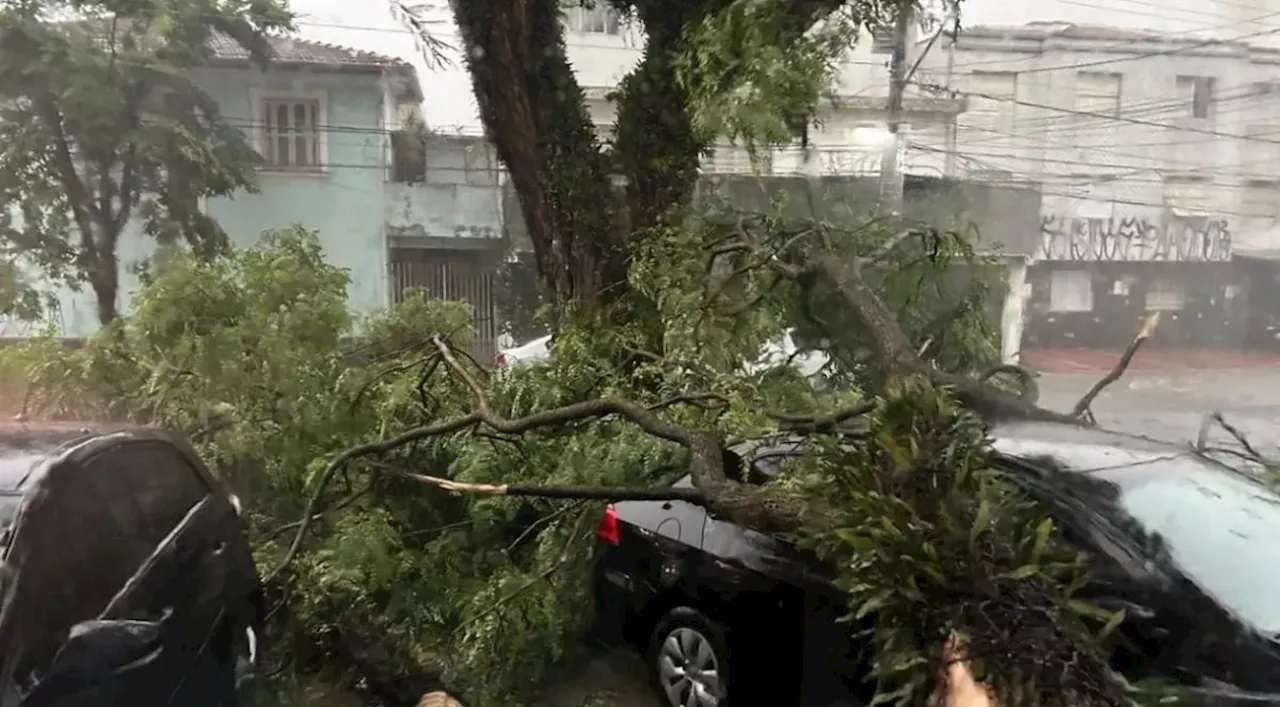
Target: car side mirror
97 652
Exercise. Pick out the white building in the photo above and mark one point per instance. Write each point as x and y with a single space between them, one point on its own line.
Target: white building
1155 132
849 139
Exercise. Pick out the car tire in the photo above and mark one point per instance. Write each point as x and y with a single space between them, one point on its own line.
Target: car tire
688 652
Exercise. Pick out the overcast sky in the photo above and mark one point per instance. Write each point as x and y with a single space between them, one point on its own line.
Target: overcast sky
449 103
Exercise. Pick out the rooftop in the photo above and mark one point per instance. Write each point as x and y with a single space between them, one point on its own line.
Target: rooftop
1040 31
292 50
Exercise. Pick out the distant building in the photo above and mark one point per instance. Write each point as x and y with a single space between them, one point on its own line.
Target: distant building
604 47
1157 161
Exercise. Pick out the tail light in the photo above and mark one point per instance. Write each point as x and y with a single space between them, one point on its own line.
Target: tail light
500 360
608 528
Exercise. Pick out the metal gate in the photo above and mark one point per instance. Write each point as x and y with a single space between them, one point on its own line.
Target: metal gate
456 276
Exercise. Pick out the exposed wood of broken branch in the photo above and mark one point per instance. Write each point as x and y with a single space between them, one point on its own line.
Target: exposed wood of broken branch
590 493
1148 329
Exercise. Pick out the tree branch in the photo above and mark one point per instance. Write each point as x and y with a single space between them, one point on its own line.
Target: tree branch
588 493
768 509
1081 408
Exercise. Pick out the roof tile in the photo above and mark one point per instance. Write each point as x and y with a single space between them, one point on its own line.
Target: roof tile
1069 30
292 50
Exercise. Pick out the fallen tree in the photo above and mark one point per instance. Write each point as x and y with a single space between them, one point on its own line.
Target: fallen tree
392 590
395 591
913 410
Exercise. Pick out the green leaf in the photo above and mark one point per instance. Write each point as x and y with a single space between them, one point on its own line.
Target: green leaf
1043 531
1023 572
901 457
981 521
1089 609
1114 622
876 602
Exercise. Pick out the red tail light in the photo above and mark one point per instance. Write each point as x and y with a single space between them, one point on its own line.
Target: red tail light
499 361
608 528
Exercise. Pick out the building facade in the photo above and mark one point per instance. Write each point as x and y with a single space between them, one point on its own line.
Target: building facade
329 125
848 138
1156 159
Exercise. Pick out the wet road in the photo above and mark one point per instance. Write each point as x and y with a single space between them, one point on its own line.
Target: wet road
1170 405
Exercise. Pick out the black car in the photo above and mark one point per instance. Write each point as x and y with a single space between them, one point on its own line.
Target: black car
127 574
726 615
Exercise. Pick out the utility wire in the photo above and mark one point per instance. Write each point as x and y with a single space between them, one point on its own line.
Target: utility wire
1149 109
1091 114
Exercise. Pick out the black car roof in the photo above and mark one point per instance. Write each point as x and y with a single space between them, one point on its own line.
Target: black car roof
1077 445
24 447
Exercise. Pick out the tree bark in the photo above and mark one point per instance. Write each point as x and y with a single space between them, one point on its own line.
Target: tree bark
104 270
535 112
105 282
654 141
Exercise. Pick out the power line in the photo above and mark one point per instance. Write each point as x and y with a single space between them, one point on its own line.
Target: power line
1033 130
1140 56
1130 173
1118 118
1150 109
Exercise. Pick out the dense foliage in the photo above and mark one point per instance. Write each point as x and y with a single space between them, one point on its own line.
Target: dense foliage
399 585
934 540
103 127
257 359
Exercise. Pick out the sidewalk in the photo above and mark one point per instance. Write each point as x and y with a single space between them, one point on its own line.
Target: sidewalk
1148 360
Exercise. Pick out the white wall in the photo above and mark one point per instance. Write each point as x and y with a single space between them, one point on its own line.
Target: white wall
1089 163
838 144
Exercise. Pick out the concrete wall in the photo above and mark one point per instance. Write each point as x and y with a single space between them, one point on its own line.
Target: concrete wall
342 202
1006 218
460 197
357 211
837 140
1047 132
600 60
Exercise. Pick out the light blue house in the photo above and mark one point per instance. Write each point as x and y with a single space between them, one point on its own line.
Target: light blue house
327 121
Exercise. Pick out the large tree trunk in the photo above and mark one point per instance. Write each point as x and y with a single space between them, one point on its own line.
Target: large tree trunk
534 111
655 144
104 278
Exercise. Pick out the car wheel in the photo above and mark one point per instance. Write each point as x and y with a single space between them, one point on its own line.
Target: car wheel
688 660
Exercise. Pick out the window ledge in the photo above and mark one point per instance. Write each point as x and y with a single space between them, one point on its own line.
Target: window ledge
312 173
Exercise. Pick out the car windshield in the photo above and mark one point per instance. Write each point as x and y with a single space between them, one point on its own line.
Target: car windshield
1222 531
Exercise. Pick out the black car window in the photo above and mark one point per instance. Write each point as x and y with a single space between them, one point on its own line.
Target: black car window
71 551
160 481
1221 530
770 466
9 502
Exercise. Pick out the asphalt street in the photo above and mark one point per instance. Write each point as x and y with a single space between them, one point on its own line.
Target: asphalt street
1170 405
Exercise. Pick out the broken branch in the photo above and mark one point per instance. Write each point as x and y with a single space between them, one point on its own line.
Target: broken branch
1148 329
588 493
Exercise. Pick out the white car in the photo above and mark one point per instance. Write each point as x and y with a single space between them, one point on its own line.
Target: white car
772 355
532 352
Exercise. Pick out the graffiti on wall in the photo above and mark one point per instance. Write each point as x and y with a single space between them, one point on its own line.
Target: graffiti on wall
1134 238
